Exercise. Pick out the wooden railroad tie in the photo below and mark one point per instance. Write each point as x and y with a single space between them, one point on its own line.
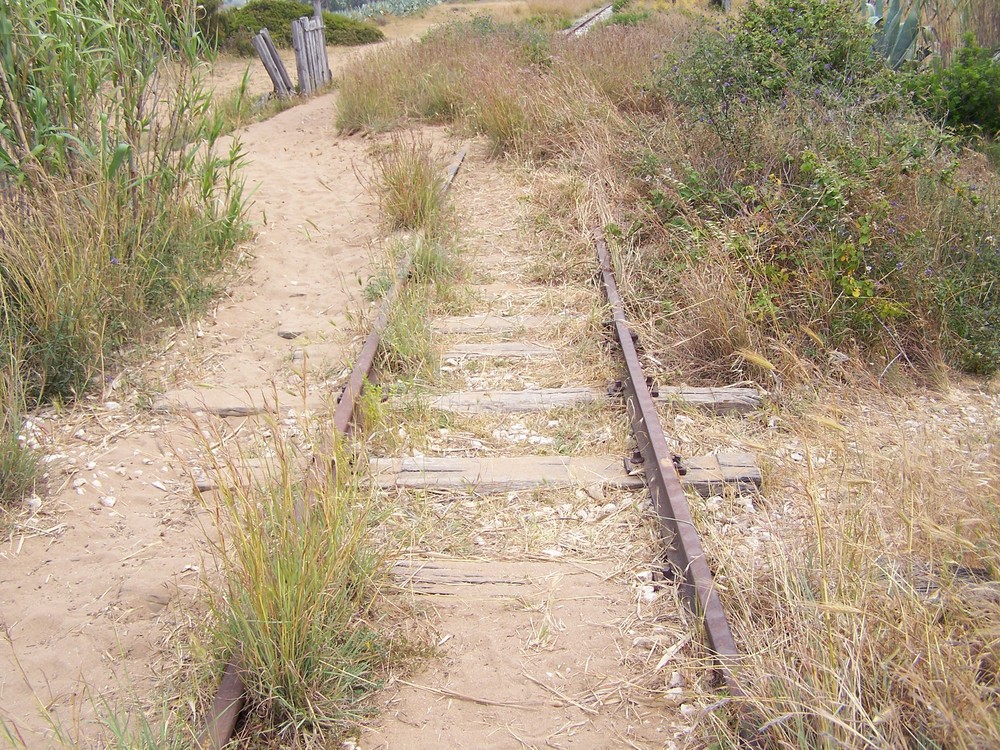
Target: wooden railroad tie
707 475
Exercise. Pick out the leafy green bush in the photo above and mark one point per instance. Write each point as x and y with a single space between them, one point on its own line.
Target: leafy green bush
774 44
967 92
239 24
840 209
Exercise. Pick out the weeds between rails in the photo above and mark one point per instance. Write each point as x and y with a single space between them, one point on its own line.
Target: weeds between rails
297 619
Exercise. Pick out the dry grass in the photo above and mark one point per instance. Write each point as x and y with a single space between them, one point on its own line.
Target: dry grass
862 582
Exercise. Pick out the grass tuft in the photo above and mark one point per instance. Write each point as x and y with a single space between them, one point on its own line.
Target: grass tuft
300 583
409 184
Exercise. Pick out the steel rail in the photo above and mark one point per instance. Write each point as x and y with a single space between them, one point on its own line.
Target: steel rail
677 528
231 695
586 21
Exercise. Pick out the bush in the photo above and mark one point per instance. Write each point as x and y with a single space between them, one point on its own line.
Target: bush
774 44
835 206
966 93
239 24
123 206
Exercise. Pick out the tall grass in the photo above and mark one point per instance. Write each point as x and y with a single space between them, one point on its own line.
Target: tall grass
409 185
868 617
301 577
122 204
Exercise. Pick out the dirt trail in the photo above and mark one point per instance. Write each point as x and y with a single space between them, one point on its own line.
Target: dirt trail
97 578
96 581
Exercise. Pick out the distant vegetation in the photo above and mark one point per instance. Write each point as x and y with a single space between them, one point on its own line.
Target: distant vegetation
116 206
232 29
777 149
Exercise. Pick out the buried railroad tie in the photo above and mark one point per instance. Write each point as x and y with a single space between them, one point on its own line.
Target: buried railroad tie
716 400
706 475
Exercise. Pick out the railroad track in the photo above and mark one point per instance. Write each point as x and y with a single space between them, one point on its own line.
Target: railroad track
586 23
652 465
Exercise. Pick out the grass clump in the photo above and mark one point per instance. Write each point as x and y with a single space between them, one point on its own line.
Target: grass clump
18 465
238 25
409 185
301 579
116 202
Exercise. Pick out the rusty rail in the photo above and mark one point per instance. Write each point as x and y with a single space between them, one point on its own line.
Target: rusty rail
231 695
583 25
669 501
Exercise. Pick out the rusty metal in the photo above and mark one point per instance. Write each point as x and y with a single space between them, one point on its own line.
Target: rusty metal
231 695
677 528
226 707
344 414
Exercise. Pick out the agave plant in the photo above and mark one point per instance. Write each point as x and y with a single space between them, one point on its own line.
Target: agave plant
897 32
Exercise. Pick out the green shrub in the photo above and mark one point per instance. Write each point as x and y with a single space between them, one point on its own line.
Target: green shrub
772 45
966 93
239 24
841 209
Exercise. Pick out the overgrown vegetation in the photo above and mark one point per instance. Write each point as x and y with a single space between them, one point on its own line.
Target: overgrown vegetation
782 212
234 28
410 185
115 206
301 577
965 93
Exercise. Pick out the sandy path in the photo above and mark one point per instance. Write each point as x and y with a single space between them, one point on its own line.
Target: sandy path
95 583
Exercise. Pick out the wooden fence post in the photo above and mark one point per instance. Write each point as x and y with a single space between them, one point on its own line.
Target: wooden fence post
272 63
298 44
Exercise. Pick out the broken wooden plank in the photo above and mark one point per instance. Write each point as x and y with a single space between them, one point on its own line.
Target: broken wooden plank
541 399
717 400
493 323
707 475
507 350
233 402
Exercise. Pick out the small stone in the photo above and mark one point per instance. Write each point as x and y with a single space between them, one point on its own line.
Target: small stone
290 331
33 504
108 501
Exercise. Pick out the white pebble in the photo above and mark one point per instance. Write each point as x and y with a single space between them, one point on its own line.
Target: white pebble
108 501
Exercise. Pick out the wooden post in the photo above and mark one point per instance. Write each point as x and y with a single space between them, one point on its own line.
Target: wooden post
278 64
269 65
307 52
299 45
318 10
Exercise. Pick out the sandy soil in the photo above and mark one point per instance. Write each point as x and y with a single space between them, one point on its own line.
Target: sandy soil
97 578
